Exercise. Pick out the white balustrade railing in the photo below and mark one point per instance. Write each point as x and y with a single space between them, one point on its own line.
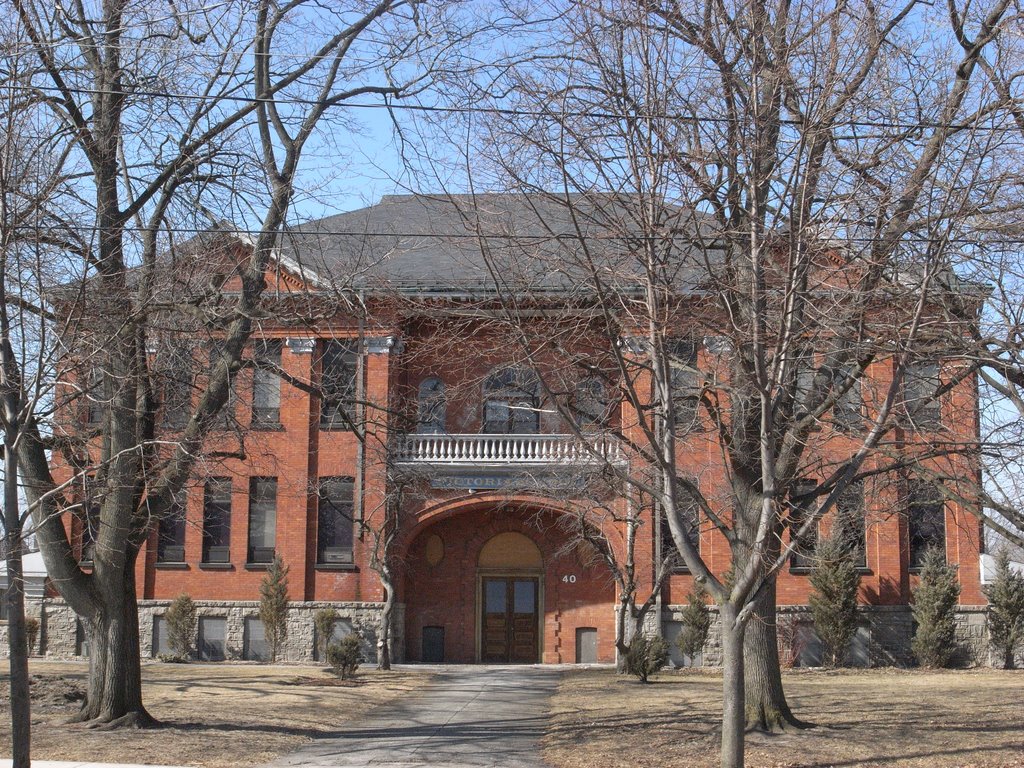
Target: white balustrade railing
505 449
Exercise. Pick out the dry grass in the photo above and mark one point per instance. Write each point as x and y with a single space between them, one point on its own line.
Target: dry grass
880 717
214 715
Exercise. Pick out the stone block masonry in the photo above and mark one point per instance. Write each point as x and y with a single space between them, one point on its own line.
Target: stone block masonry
883 637
61 637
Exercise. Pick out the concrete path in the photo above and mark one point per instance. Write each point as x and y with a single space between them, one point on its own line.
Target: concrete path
466 717
6 763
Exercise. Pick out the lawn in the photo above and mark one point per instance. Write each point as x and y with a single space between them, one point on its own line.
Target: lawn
214 715
881 717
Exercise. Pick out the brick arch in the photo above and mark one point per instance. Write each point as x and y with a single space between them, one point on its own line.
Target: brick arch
445 594
475 503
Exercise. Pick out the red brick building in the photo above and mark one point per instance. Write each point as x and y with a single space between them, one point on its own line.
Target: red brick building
419 409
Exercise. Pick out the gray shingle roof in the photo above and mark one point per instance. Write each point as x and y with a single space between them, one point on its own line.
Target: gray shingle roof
461 243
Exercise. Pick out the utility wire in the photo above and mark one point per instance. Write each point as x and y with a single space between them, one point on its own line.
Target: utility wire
305 231
504 111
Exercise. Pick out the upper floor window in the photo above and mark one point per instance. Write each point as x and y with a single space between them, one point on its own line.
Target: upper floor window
175 367
922 407
339 365
97 395
177 403
90 520
266 384
926 519
225 418
684 382
847 412
431 406
511 402
589 404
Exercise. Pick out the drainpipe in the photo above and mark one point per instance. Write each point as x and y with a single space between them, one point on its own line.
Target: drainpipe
360 417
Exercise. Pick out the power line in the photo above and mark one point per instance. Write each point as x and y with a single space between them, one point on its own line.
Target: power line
505 111
713 242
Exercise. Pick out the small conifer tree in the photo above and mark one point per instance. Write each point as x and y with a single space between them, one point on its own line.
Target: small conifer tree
833 600
274 605
696 620
181 626
646 655
323 621
934 611
31 633
345 656
1006 609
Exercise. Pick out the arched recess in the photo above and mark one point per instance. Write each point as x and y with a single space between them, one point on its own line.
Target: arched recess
510 551
444 597
479 503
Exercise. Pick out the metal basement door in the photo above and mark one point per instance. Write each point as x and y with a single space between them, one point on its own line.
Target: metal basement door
509 621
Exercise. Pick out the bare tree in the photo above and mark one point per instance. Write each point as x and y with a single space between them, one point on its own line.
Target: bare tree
170 112
759 205
31 231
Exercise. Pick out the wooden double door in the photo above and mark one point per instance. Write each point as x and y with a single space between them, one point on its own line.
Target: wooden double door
510 620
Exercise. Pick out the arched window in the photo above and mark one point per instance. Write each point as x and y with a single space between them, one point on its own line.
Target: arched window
431 407
511 402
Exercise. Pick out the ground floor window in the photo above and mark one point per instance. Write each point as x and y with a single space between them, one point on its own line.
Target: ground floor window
160 643
212 641
254 640
335 510
926 520
217 520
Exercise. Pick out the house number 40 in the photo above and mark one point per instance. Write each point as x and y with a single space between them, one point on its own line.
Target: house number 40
569 578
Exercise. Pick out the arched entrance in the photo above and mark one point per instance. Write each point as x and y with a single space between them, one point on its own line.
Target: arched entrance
498 582
510 570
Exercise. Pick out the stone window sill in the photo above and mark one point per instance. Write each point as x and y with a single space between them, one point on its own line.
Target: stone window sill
267 427
351 567
216 567
170 566
258 566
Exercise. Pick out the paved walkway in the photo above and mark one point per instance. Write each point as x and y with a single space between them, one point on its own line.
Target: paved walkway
466 717
6 763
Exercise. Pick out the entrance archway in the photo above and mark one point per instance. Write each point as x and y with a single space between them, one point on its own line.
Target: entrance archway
513 562
510 570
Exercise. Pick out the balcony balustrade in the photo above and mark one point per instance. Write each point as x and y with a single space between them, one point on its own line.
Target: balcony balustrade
506 450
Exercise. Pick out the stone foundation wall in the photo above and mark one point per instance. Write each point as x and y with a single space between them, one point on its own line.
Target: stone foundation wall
60 636
882 639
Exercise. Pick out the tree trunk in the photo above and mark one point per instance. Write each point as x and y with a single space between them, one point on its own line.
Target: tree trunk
386 617
21 716
114 696
766 705
626 628
732 690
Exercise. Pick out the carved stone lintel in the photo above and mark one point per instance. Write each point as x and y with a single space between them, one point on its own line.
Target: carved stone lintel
383 345
301 345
